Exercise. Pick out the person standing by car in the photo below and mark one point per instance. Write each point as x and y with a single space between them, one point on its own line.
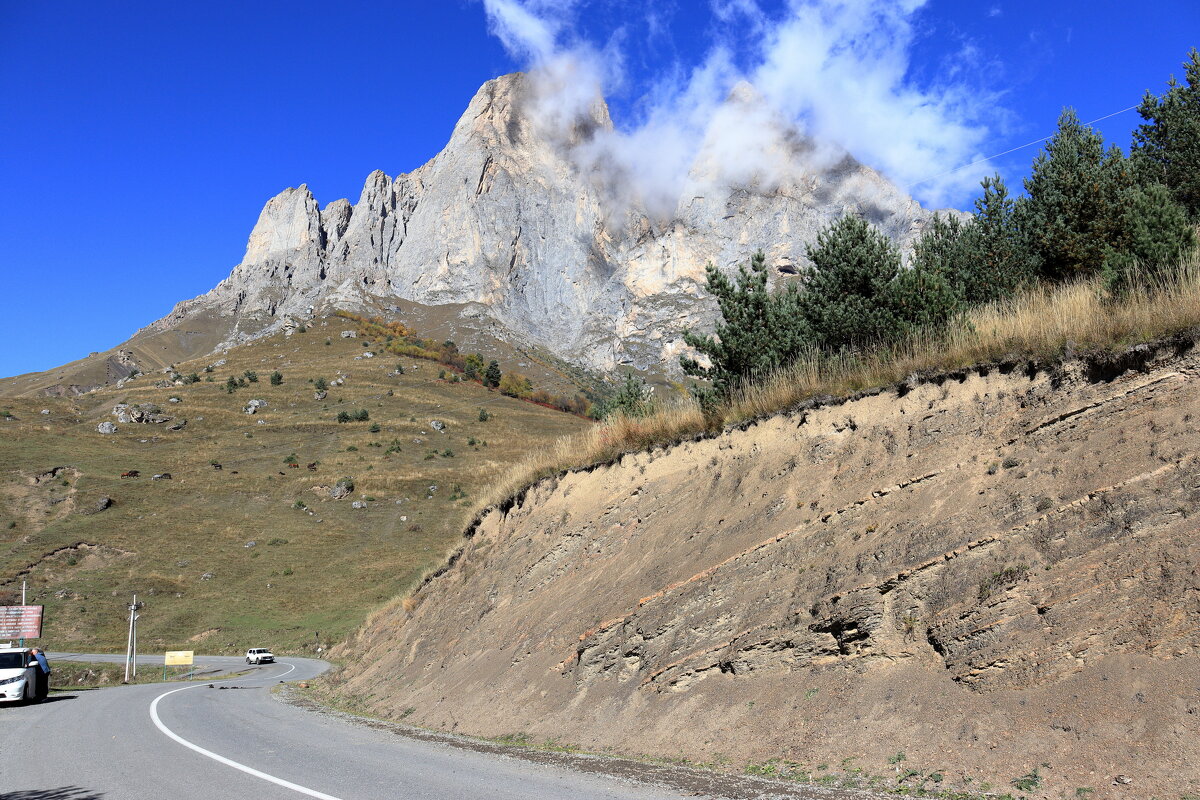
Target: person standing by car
42 672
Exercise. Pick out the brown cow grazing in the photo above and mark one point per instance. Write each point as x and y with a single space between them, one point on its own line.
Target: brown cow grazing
294 466
133 473
313 466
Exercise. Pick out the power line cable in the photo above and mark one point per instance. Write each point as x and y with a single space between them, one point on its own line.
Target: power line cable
1011 150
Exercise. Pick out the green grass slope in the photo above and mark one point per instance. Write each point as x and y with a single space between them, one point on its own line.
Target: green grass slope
317 565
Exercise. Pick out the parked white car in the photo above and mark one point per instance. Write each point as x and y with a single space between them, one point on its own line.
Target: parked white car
18 680
259 655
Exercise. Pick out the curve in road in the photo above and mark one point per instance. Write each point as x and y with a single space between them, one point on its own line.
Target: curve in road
232 739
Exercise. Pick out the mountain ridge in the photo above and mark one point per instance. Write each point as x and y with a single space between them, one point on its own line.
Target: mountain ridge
511 222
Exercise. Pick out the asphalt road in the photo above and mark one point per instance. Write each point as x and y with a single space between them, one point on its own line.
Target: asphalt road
193 741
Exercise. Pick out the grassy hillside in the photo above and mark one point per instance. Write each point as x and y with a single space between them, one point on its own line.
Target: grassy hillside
316 565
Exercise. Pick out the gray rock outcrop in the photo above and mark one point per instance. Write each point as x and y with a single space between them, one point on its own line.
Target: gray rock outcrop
505 221
140 414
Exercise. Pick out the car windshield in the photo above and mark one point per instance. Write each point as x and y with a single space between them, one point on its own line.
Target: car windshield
12 660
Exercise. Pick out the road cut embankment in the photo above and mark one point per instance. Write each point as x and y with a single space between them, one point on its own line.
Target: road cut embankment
990 574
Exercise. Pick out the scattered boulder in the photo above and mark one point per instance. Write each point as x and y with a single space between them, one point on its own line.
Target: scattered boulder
45 412
358 504
106 427
162 476
349 334
141 414
437 425
342 488
178 426
208 576
103 503
320 395
254 405
251 543
173 400
368 354
163 384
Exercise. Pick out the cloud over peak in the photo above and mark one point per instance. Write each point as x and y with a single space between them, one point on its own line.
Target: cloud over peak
837 71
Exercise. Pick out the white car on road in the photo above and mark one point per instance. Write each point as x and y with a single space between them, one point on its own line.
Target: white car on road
18 675
259 655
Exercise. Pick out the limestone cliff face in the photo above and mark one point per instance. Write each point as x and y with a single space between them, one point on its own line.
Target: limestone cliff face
989 571
504 217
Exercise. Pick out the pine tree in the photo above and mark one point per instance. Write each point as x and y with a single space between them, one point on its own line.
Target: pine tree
925 295
1159 237
759 331
1166 148
997 258
1074 212
491 378
940 268
851 298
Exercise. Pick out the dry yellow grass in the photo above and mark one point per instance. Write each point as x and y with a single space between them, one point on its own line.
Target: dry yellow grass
1042 322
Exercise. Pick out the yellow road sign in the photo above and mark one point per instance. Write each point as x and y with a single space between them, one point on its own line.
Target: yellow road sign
179 658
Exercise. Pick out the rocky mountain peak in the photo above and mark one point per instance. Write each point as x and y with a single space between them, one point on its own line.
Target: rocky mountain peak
288 222
506 220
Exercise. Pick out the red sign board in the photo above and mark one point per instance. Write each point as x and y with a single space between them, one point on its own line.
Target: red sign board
20 622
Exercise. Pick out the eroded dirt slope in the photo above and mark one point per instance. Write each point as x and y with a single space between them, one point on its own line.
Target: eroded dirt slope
990 574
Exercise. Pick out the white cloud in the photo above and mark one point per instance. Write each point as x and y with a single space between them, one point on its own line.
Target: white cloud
529 29
837 70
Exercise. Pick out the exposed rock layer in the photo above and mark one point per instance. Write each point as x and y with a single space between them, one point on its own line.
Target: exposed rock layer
987 572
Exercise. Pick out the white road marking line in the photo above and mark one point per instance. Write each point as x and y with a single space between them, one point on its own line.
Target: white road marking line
158 723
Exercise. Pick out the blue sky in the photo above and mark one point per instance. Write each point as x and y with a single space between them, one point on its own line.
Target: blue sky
141 139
